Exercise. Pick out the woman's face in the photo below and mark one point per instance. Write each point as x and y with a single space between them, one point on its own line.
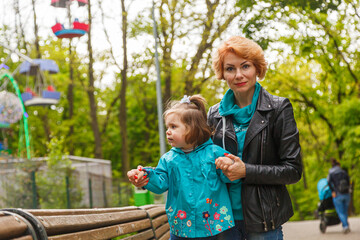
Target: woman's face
240 74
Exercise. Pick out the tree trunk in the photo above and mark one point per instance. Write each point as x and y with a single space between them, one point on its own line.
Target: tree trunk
36 30
122 112
168 33
90 92
70 99
44 117
19 31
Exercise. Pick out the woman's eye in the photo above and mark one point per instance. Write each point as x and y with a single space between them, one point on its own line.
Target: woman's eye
246 66
229 69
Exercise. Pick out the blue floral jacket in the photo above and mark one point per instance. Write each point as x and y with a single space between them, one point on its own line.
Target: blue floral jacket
198 203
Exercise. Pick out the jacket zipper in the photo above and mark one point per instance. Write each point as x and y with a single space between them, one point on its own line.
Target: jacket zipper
262 210
271 211
258 189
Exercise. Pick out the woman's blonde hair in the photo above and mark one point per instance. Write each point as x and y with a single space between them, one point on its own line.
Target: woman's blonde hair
244 48
192 113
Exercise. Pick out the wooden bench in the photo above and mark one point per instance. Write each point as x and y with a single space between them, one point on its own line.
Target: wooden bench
146 222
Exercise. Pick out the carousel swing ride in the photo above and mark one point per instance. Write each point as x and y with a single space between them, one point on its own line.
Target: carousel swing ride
75 28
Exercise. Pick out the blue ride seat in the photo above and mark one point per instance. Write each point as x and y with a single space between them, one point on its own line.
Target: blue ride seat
51 94
26 96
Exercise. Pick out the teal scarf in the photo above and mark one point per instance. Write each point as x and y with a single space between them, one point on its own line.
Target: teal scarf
241 115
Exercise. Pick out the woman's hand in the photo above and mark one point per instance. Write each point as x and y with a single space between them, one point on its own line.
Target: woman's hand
234 171
137 177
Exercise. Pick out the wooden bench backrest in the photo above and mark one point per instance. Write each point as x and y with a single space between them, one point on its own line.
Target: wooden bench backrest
146 222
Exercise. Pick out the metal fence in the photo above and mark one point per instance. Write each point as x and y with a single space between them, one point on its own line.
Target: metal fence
89 185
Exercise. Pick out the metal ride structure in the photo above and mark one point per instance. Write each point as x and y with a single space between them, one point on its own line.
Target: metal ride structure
31 97
42 93
4 78
75 28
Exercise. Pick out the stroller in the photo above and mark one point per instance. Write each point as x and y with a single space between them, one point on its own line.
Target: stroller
326 209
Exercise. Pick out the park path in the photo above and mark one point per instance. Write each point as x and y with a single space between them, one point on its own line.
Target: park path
309 230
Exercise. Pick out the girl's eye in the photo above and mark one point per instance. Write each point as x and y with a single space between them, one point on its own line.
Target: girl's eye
229 69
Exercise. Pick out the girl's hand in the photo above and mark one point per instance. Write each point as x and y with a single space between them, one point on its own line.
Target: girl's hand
235 171
137 177
223 163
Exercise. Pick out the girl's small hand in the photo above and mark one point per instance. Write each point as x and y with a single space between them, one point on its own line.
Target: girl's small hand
223 163
236 170
137 177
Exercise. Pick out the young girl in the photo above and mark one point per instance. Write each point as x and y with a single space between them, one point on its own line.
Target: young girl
198 204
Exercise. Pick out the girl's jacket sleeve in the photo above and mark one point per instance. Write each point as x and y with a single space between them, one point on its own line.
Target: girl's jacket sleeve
158 178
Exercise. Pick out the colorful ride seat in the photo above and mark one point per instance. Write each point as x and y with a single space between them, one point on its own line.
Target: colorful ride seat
51 94
78 30
39 64
63 3
26 96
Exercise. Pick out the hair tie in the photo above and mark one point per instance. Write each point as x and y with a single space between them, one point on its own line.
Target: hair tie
185 99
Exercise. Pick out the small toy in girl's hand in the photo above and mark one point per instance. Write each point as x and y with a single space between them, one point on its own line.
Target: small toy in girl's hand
146 171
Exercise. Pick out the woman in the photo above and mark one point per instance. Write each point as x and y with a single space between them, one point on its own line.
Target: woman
260 131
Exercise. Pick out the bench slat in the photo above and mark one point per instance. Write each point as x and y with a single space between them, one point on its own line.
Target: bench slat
159 221
166 236
23 238
11 227
106 232
74 223
162 230
148 234
59 212
154 212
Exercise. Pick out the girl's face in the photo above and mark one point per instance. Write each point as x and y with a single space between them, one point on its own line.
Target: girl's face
240 74
176 131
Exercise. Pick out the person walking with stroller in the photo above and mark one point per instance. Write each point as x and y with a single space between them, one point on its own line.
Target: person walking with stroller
339 183
198 204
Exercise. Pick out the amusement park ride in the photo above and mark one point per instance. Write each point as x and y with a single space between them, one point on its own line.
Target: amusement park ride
76 28
42 92
12 105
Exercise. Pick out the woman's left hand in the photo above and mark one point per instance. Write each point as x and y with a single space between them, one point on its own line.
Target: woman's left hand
237 170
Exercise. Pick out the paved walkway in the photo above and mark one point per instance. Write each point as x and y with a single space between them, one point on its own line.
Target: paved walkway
309 230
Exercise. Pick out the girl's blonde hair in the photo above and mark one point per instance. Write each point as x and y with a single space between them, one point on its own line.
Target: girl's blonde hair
243 48
192 114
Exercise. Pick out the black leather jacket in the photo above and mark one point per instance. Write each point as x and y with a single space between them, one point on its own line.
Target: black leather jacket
272 159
